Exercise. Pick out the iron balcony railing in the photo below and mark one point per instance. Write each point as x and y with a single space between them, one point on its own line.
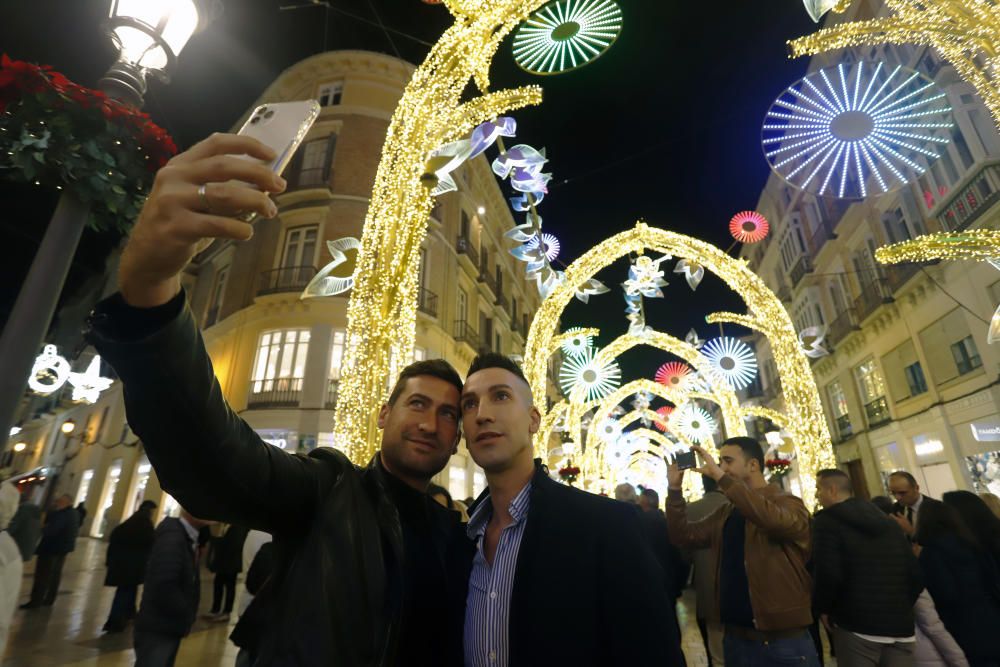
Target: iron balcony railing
330 401
873 295
464 247
801 268
285 279
824 232
844 428
276 393
844 324
427 302
877 412
488 278
466 334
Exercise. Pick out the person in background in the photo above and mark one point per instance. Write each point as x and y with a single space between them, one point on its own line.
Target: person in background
170 592
706 591
760 545
625 493
992 501
935 647
883 503
962 580
978 519
26 528
225 559
904 488
128 550
11 563
258 563
866 578
81 509
654 522
58 539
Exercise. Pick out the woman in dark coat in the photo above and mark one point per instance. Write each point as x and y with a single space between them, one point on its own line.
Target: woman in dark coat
128 551
963 580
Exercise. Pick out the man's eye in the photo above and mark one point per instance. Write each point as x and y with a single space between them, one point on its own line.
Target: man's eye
468 405
503 395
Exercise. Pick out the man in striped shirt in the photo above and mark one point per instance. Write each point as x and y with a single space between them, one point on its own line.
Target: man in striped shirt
555 575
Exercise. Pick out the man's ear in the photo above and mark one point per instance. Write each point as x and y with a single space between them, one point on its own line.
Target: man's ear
383 415
535 421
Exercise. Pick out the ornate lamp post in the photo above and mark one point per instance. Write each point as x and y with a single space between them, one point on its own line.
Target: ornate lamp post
149 34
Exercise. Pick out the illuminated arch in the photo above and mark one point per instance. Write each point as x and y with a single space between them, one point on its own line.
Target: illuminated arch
804 418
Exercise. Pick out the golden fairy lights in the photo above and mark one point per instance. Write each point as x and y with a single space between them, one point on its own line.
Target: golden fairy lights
975 244
965 32
803 416
382 312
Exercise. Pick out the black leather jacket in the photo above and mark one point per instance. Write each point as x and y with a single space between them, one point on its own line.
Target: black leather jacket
335 597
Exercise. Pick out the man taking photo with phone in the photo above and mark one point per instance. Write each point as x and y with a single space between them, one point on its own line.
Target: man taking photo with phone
361 553
760 545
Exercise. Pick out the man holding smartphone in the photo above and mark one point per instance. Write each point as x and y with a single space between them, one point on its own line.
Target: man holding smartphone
760 545
361 553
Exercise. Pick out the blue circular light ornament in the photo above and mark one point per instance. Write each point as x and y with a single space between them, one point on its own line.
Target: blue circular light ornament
566 34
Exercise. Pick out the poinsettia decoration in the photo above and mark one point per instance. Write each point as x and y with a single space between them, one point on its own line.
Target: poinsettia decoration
569 473
778 467
56 133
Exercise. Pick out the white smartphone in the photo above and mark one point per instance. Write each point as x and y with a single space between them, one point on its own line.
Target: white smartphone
282 126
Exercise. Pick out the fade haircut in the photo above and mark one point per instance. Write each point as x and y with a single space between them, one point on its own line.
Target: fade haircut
751 449
652 496
905 475
496 360
438 368
838 478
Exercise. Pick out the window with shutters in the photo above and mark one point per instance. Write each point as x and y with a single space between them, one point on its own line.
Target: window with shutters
950 349
279 367
904 374
312 164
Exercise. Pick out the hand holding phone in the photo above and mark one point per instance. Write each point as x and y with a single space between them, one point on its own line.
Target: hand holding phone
686 460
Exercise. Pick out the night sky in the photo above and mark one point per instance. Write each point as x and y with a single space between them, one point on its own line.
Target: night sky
665 126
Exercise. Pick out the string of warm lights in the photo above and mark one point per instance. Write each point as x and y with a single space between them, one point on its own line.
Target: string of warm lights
382 311
974 244
964 32
805 421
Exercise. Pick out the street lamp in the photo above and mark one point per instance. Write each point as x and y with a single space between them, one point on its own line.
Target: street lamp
149 35
20 447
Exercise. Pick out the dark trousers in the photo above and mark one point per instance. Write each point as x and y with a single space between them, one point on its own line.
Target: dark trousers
155 650
703 629
122 608
223 583
853 651
741 652
48 573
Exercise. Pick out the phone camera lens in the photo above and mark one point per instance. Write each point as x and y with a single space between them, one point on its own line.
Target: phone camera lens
255 120
269 114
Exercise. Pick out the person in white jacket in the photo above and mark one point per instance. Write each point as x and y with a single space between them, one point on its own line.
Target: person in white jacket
935 646
11 565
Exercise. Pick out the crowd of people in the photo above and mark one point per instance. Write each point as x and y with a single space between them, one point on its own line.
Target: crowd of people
368 565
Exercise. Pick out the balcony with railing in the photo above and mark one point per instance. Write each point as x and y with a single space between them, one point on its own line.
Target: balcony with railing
965 205
502 301
873 295
285 279
898 274
800 269
844 324
464 333
427 302
784 294
465 249
330 400
488 279
844 428
877 412
824 232
276 393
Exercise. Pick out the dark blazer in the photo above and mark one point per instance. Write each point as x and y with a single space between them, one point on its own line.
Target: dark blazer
172 585
335 597
675 569
59 532
965 586
225 554
865 575
128 550
587 589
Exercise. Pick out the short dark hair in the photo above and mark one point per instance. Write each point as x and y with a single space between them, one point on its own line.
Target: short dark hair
438 368
437 490
883 503
147 505
486 360
652 496
837 477
751 448
905 475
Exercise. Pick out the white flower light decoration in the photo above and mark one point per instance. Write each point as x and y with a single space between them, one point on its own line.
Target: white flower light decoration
693 272
49 373
732 360
811 340
693 340
583 371
549 243
694 423
645 277
609 430
578 343
88 385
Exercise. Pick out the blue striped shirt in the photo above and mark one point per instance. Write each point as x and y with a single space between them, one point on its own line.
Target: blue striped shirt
487 608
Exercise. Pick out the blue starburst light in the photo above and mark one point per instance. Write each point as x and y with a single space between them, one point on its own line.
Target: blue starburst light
566 34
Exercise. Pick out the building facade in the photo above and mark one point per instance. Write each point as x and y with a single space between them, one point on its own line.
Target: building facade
277 357
910 382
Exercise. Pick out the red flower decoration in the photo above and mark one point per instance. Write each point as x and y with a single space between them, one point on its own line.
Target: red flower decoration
664 412
672 374
749 227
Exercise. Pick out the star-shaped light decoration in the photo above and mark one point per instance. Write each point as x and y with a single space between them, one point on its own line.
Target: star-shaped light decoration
441 163
645 277
88 385
664 413
749 227
732 360
673 374
596 381
693 340
578 343
692 270
811 341
590 288
694 423
817 8
326 284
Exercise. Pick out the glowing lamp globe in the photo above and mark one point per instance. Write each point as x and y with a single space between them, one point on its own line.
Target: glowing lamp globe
68 426
749 227
20 447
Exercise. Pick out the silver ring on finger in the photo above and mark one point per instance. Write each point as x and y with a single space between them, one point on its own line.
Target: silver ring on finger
203 196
